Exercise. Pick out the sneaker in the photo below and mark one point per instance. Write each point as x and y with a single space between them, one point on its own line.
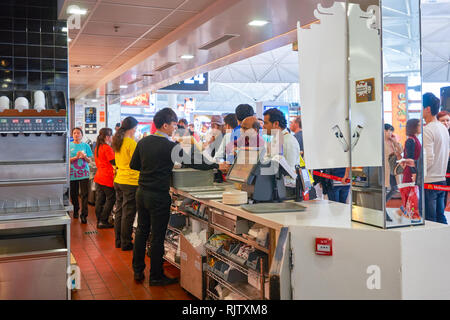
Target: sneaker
164 281
83 220
139 277
75 215
102 225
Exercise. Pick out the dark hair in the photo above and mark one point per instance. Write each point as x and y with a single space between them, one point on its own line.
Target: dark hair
127 124
101 139
430 100
163 116
118 124
183 121
411 127
243 111
276 115
298 119
388 127
230 119
442 114
79 129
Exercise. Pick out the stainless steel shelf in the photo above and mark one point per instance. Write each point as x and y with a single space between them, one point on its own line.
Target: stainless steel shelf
176 265
243 289
231 263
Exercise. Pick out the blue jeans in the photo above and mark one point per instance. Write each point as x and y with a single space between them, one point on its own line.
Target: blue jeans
434 204
339 194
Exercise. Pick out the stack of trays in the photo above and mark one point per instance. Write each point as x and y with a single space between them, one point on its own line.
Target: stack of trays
235 197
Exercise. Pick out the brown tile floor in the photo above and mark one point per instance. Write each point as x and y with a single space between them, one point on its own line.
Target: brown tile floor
106 272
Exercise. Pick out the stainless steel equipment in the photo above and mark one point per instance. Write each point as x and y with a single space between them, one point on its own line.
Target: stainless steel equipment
34 173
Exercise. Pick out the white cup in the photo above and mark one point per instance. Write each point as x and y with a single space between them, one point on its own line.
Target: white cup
4 103
21 104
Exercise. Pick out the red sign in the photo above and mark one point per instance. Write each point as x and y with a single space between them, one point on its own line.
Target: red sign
324 246
142 100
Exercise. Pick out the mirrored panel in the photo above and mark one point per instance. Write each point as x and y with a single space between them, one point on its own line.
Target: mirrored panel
366 109
386 113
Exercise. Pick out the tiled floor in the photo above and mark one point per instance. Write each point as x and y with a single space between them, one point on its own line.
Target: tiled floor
106 272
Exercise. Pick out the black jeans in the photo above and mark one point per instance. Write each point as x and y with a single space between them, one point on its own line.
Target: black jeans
125 214
75 187
393 183
153 214
104 202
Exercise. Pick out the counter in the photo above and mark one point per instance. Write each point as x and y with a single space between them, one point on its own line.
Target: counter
367 262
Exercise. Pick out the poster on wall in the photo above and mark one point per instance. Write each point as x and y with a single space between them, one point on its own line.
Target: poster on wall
398 103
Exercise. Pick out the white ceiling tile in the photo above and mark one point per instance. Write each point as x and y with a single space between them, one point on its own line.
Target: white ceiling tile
169 4
123 14
158 33
102 41
197 5
177 19
107 28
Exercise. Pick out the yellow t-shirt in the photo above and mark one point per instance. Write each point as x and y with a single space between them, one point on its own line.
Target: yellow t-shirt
125 175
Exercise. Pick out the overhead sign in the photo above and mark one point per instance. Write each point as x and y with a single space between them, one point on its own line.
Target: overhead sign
197 84
142 100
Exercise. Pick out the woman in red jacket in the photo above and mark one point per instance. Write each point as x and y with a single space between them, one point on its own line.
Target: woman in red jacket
104 178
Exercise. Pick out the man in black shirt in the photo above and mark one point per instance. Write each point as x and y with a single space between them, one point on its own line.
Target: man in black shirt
153 158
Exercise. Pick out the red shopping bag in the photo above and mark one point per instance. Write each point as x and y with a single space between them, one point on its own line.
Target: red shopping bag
410 202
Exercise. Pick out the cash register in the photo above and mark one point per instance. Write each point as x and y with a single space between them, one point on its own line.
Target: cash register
263 178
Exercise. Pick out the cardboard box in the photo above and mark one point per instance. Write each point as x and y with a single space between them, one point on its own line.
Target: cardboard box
191 275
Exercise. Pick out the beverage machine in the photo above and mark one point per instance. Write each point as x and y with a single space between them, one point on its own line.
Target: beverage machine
34 179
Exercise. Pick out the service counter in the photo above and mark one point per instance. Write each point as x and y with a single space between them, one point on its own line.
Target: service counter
319 253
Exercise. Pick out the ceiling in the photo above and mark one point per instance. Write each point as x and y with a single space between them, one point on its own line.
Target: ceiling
436 41
114 31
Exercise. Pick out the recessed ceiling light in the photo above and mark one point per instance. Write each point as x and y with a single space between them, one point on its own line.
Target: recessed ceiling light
76 10
187 56
94 100
64 29
258 23
68 39
123 86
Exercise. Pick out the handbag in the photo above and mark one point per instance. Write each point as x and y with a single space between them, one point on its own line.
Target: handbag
395 168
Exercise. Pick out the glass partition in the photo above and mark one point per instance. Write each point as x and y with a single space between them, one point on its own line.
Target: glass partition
384 75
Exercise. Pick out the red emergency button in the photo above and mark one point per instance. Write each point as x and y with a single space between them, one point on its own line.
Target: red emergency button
324 246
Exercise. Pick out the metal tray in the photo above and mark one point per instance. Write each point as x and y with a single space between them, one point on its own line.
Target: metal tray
207 195
202 189
273 207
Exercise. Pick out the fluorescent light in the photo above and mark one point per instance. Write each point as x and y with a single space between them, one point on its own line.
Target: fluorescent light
68 39
123 86
187 56
76 10
94 100
258 23
64 29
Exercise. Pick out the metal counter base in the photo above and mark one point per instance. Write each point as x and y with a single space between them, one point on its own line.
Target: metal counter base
34 259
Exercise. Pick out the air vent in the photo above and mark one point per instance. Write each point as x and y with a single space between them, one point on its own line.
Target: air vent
147 75
166 66
135 81
218 41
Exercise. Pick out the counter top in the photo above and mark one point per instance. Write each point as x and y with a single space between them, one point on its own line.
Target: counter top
318 213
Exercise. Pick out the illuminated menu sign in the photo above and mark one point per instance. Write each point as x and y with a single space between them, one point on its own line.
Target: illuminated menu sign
197 84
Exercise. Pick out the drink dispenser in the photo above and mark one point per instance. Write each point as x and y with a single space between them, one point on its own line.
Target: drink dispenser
34 156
